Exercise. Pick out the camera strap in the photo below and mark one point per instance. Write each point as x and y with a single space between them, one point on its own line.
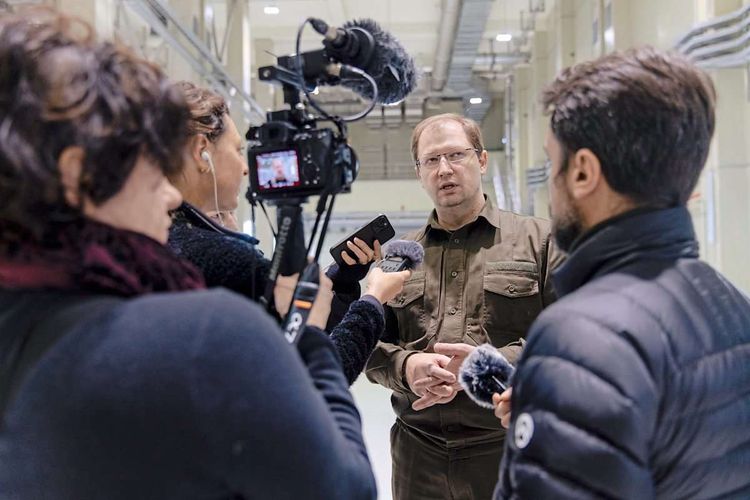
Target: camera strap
303 299
289 254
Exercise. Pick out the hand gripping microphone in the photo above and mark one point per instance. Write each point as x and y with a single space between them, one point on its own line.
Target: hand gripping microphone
304 297
365 45
484 372
400 255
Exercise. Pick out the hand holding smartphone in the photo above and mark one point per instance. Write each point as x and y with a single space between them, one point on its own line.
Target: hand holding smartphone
379 229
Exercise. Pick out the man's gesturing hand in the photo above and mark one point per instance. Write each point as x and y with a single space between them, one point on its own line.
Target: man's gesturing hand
425 373
433 389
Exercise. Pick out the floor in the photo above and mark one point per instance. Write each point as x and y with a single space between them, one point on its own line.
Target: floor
374 403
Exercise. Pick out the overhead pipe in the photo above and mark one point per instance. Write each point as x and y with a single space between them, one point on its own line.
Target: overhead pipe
723 42
501 58
446 39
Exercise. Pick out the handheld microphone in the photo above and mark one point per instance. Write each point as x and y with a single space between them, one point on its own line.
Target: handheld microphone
365 45
400 255
484 372
303 299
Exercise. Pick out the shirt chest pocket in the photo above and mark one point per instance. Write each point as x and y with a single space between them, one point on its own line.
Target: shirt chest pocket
409 308
511 300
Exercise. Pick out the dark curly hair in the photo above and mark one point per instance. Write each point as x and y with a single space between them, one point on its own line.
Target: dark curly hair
60 87
647 115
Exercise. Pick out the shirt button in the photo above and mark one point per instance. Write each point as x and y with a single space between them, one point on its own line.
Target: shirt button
511 288
453 310
454 274
456 241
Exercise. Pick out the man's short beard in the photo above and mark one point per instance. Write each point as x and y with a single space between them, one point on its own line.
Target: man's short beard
567 226
566 229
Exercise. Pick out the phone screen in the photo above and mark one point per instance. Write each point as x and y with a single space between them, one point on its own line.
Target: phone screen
277 170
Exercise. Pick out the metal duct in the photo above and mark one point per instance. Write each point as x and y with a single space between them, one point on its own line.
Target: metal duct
446 35
469 32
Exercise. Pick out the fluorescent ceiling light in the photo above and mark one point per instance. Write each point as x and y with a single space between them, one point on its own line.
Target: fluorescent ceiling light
475 100
504 37
270 10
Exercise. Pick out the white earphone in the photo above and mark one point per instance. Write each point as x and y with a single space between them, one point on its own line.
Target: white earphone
206 156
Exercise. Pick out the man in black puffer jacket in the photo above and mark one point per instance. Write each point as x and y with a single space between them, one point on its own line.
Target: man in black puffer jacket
636 383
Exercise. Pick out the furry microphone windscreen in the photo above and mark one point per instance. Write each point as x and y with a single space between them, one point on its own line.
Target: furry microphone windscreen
391 67
480 373
404 248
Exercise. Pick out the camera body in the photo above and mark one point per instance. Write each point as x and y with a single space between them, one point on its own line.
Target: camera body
290 161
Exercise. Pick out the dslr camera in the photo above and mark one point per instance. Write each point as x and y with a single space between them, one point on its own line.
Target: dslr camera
291 157
294 161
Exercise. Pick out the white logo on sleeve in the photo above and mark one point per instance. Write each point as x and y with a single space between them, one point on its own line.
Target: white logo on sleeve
523 431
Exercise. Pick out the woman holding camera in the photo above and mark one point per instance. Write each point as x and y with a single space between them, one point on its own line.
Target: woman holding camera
121 377
210 183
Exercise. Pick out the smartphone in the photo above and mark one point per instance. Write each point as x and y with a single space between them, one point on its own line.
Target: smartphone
378 228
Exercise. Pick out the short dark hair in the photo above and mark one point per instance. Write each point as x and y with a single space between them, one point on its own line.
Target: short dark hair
207 110
60 87
648 116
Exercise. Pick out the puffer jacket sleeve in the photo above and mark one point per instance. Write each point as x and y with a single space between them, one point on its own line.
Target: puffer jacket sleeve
584 409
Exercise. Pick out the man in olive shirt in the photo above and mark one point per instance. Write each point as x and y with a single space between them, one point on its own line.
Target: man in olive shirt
484 279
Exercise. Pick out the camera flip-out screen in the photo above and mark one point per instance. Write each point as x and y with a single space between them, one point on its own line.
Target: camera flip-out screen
277 170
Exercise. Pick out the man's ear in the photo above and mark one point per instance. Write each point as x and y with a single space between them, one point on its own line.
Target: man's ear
483 157
584 175
70 166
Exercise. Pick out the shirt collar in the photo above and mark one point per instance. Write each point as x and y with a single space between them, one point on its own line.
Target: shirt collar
487 213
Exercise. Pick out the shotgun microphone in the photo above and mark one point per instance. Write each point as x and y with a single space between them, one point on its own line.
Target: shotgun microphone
365 45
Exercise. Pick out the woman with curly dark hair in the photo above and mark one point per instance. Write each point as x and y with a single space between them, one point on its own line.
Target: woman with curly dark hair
119 376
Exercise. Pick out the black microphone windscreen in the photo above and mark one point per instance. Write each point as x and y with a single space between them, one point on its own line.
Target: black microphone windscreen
404 248
482 373
391 67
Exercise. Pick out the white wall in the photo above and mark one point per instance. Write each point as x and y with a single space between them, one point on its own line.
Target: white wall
721 203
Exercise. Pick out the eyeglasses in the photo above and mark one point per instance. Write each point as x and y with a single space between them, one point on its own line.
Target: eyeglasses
432 161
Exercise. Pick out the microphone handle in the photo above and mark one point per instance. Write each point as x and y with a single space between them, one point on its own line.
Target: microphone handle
394 264
303 299
504 386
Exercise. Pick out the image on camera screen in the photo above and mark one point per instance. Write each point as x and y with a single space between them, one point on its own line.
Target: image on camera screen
278 169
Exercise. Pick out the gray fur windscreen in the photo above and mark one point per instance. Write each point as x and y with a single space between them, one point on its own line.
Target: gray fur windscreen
404 248
391 67
477 372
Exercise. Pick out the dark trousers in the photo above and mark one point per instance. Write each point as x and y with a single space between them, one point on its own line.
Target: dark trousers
425 471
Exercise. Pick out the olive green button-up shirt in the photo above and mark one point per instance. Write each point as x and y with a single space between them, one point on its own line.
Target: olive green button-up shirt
484 282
